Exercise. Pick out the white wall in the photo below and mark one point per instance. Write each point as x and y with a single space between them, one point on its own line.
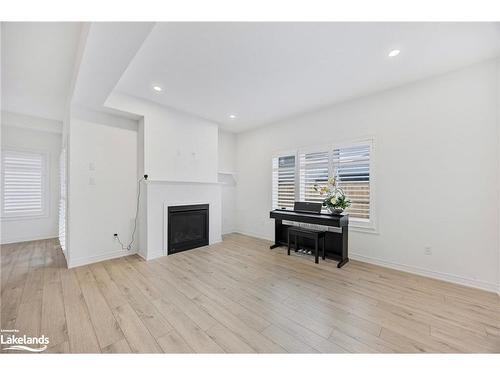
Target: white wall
227 152
98 210
436 173
227 178
179 153
177 146
19 132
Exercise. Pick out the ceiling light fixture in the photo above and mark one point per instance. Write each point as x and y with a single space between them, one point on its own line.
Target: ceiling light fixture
232 116
157 88
394 53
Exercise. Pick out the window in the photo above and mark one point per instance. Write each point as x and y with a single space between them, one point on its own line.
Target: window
350 164
62 199
314 170
351 168
23 184
284 181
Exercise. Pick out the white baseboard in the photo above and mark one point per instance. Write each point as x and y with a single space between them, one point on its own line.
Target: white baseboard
29 238
65 253
141 255
478 284
252 234
98 258
158 255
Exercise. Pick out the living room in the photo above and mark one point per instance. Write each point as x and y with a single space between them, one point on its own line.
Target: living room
250 187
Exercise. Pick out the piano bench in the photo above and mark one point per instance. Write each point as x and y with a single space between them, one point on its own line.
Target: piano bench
312 234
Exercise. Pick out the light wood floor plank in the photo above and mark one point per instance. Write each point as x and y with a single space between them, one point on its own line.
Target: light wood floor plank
238 296
182 302
291 343
12 291
296 330
227 340
82 337
108 288
106 328
138 336
224 295
255 339
60 348
143 307
172 342
121 346
29 315
53 313
194 336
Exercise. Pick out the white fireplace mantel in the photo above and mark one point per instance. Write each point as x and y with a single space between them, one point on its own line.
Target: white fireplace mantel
159 195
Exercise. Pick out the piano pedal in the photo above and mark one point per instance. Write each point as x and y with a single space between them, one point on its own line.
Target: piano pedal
304 251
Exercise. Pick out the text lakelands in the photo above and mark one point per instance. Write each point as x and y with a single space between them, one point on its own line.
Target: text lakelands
23 340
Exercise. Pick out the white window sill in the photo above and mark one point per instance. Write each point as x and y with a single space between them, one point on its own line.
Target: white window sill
24 217
357 227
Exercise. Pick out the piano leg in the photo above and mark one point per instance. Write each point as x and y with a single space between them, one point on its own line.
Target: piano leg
288 251
344 256
323 255
277 231
342 262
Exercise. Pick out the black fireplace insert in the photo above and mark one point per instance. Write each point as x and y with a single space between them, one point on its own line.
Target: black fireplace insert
187 227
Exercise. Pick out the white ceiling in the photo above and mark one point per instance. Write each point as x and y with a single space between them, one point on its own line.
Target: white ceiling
263 72
109 48
37 67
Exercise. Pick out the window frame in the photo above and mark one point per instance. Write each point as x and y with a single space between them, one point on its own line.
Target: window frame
362 225
369 225
312 150
296 181
45 185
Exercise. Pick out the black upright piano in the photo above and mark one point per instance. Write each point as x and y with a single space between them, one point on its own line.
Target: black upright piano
335 242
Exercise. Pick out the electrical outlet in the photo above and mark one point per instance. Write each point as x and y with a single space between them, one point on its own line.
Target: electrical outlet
428 250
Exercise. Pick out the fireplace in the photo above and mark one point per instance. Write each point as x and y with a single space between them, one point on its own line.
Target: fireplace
187 227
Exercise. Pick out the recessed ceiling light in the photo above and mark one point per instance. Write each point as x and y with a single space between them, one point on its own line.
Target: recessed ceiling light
394 53
157 88
232 116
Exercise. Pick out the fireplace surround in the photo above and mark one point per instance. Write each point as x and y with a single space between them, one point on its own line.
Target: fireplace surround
188 227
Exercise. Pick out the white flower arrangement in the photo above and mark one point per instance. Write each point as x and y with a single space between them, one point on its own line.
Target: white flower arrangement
334 197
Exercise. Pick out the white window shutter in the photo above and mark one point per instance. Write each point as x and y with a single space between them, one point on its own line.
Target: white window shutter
314 169
284 181
62 200
23 178
351 166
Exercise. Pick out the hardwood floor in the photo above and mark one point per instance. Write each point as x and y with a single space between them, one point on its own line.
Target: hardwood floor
238 297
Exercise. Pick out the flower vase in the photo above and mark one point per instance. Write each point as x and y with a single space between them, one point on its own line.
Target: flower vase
335 211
